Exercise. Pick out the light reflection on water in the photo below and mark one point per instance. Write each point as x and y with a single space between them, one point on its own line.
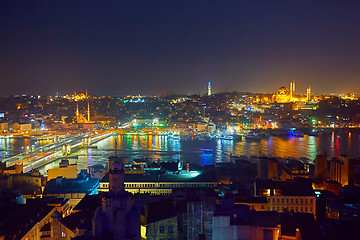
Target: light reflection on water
192 150
202 152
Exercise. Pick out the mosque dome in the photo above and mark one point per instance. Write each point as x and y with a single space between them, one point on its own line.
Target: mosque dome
282 95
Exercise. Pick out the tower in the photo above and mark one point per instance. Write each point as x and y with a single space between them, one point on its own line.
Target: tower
209 89
117 214
308 94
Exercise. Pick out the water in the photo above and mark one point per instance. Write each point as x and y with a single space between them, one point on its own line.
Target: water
14 146
203 152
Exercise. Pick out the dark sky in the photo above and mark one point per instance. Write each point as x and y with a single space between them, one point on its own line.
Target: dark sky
153 47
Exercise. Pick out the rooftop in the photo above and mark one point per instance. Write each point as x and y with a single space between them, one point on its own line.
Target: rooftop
192 176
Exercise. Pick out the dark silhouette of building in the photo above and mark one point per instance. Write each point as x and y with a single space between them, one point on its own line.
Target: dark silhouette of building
117 214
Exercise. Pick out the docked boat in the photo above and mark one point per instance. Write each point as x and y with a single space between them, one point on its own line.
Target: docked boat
253 137
225 137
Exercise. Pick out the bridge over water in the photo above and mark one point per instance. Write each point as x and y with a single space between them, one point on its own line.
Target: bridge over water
51 152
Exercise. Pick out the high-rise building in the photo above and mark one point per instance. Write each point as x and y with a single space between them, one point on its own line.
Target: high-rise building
209 89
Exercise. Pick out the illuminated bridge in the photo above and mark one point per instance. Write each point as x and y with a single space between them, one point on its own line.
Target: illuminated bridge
51 152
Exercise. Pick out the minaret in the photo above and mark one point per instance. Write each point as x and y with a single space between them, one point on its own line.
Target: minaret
209 89
292 90
88 112
308 94
77 112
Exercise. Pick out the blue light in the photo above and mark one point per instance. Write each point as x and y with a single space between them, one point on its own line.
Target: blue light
207 159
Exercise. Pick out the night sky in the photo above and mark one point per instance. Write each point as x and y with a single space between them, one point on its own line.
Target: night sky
154 47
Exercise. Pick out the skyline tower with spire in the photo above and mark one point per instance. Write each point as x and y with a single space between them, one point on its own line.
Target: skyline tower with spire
209 89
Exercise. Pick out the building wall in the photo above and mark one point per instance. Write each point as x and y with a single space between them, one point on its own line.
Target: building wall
199 220
256 206
321 167
18 170
34 233
165 229
344 170
21 127
22 178
157 188
4 127
65 172
303 204
222 230
74 198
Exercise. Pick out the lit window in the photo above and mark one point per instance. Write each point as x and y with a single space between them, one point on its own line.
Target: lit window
63 234
170 229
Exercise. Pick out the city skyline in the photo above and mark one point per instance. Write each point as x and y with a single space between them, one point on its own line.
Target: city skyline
154 48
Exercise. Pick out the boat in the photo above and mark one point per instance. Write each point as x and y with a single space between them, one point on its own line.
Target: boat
175 136
225 137
207 150
253 137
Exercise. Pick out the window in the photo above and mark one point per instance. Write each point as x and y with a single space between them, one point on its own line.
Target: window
63 234
282 200
262 206
311 209
297 200
296 209
301 209
306 209
311 201
170 229
287 200
305 200
292 200
278 200
301 201
162 229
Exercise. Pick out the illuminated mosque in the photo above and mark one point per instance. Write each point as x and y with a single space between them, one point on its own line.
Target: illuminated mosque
283 95
79 118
